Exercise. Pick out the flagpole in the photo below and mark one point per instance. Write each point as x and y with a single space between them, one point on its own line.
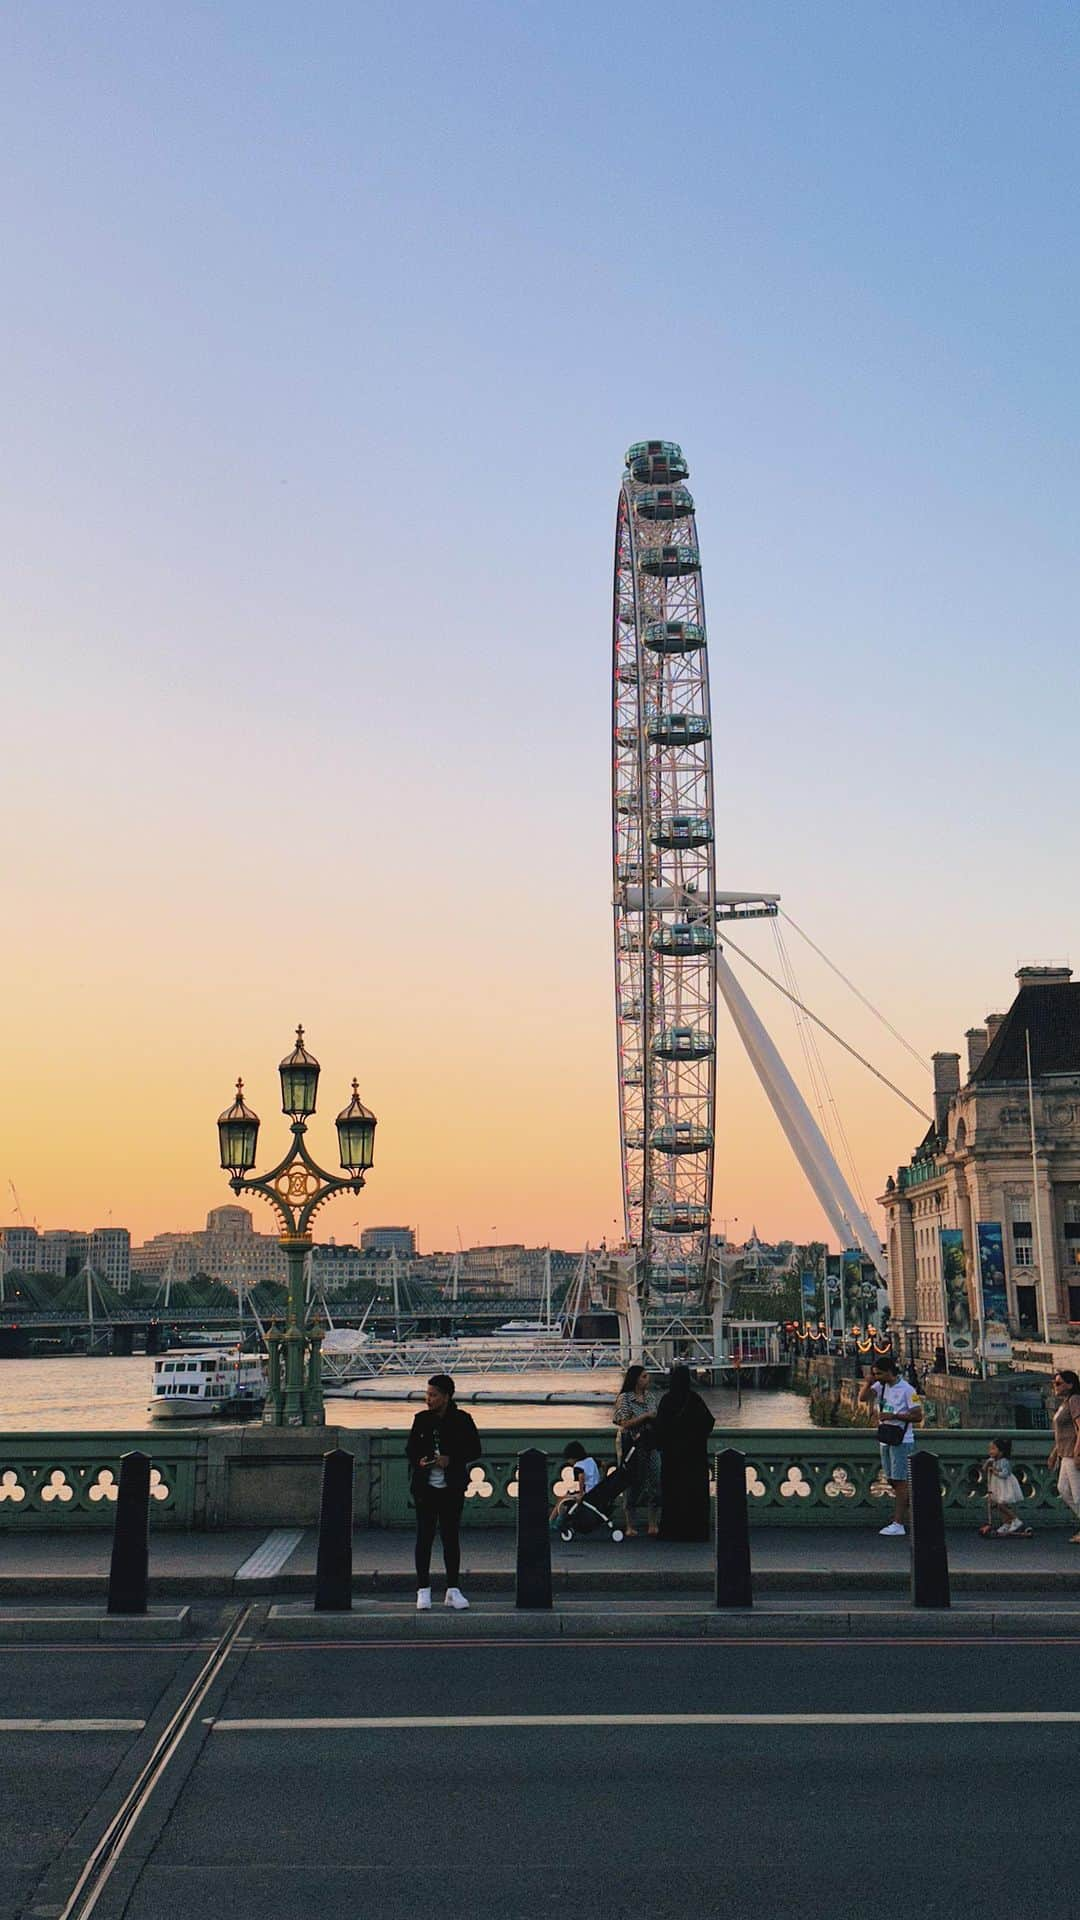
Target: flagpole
1035 1191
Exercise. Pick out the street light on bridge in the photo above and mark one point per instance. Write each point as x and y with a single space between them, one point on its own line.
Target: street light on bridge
296 1188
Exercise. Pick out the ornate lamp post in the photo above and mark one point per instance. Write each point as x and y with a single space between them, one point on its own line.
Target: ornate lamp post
296 1188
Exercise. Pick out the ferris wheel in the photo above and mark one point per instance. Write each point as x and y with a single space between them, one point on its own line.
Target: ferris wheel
663 850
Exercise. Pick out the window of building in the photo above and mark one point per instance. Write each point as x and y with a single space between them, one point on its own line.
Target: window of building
1023 1255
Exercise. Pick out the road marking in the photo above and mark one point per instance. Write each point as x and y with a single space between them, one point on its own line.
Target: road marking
72 1726
270 1557
481 1721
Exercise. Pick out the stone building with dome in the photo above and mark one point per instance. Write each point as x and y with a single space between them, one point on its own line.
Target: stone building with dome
976 1167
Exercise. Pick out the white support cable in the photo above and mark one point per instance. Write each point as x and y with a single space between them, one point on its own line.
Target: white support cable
878 1015
863 1062
845 1143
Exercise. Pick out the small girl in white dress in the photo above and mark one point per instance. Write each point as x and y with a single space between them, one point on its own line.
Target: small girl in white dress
1003 1488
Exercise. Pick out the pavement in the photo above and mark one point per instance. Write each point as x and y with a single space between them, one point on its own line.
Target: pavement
808 1560
242 1778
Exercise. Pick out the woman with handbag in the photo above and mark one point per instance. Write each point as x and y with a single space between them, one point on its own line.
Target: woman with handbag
899 1411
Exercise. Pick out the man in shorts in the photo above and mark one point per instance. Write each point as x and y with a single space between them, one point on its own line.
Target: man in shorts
898 1407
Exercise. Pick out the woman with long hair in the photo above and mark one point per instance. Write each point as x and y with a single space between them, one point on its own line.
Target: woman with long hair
1065 1454
635 1419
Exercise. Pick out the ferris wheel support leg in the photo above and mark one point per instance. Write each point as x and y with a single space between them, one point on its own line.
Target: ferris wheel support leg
631 1329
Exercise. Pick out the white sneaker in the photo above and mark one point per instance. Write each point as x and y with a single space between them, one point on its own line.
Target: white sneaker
423 1599
456 1599
893 1531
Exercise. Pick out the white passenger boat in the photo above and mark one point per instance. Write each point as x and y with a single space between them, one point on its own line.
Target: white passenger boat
215 1382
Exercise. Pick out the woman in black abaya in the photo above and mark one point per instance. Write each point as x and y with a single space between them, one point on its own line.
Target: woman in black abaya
683 1426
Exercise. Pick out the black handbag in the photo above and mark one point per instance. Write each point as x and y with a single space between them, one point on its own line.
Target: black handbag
890 1432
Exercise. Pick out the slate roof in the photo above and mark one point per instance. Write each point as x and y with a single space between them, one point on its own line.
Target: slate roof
1051 1014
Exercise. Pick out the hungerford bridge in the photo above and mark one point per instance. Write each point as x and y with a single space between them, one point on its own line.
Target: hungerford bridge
661 1294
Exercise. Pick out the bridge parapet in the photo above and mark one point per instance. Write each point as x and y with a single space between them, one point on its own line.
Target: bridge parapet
255 1476
71 1480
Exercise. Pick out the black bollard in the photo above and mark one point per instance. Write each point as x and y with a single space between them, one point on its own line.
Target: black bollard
929 1558
533 1537
333 1566
130 1563
734 1587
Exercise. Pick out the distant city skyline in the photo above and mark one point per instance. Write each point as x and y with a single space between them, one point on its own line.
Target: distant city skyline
328 337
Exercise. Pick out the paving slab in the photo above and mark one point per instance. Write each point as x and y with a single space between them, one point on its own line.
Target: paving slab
261 1561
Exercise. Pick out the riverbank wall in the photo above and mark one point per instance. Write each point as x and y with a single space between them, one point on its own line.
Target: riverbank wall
1006 1402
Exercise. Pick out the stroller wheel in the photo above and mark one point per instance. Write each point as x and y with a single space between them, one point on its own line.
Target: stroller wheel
566 1533
616 1534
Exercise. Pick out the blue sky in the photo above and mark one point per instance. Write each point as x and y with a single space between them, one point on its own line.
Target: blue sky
326 330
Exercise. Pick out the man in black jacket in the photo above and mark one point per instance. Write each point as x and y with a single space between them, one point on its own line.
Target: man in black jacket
441 1447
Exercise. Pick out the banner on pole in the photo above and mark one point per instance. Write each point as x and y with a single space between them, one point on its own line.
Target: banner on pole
809 1296
997 1342
852 1286
832 1290
954 1282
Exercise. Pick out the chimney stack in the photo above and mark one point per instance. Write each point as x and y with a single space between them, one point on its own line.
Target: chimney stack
977 1043
1043 976
993 1022
946 1083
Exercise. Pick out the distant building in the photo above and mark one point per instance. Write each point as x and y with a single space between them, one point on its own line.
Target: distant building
388 1240
22 1250
62 1252
109 1253
228 1249
974 1168
348 1270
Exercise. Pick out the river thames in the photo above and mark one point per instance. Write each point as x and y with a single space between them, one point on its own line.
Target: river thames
74 1394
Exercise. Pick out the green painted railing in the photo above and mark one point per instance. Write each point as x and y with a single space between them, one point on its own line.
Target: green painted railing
803 1477
807 1477
70 1480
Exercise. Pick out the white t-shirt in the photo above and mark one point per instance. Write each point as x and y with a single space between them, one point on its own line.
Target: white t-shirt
898 1397
590 1469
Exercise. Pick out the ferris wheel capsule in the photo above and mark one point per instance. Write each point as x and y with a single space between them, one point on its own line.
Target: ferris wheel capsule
663 863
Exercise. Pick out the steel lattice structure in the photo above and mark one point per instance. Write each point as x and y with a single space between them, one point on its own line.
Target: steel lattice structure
663 849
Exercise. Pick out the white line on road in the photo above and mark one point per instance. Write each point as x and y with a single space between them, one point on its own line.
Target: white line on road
270 1557
480 1721
72 1726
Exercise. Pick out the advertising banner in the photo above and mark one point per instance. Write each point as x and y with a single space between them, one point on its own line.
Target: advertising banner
954 1284
997 1344
809 1296
852 1288
832 1292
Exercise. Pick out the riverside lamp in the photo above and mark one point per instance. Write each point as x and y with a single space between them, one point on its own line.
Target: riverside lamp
296 1188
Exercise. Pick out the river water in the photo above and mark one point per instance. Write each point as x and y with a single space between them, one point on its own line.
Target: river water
75 1394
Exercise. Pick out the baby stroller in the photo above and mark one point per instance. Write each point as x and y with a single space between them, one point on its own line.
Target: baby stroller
594 1512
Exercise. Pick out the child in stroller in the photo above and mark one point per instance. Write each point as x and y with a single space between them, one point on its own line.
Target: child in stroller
588 1510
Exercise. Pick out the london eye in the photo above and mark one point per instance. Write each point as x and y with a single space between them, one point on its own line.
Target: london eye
664 872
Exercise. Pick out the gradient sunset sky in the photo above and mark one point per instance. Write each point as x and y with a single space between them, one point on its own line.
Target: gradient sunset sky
325 330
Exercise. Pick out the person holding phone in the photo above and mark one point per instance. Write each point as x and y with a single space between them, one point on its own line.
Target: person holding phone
441 1447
